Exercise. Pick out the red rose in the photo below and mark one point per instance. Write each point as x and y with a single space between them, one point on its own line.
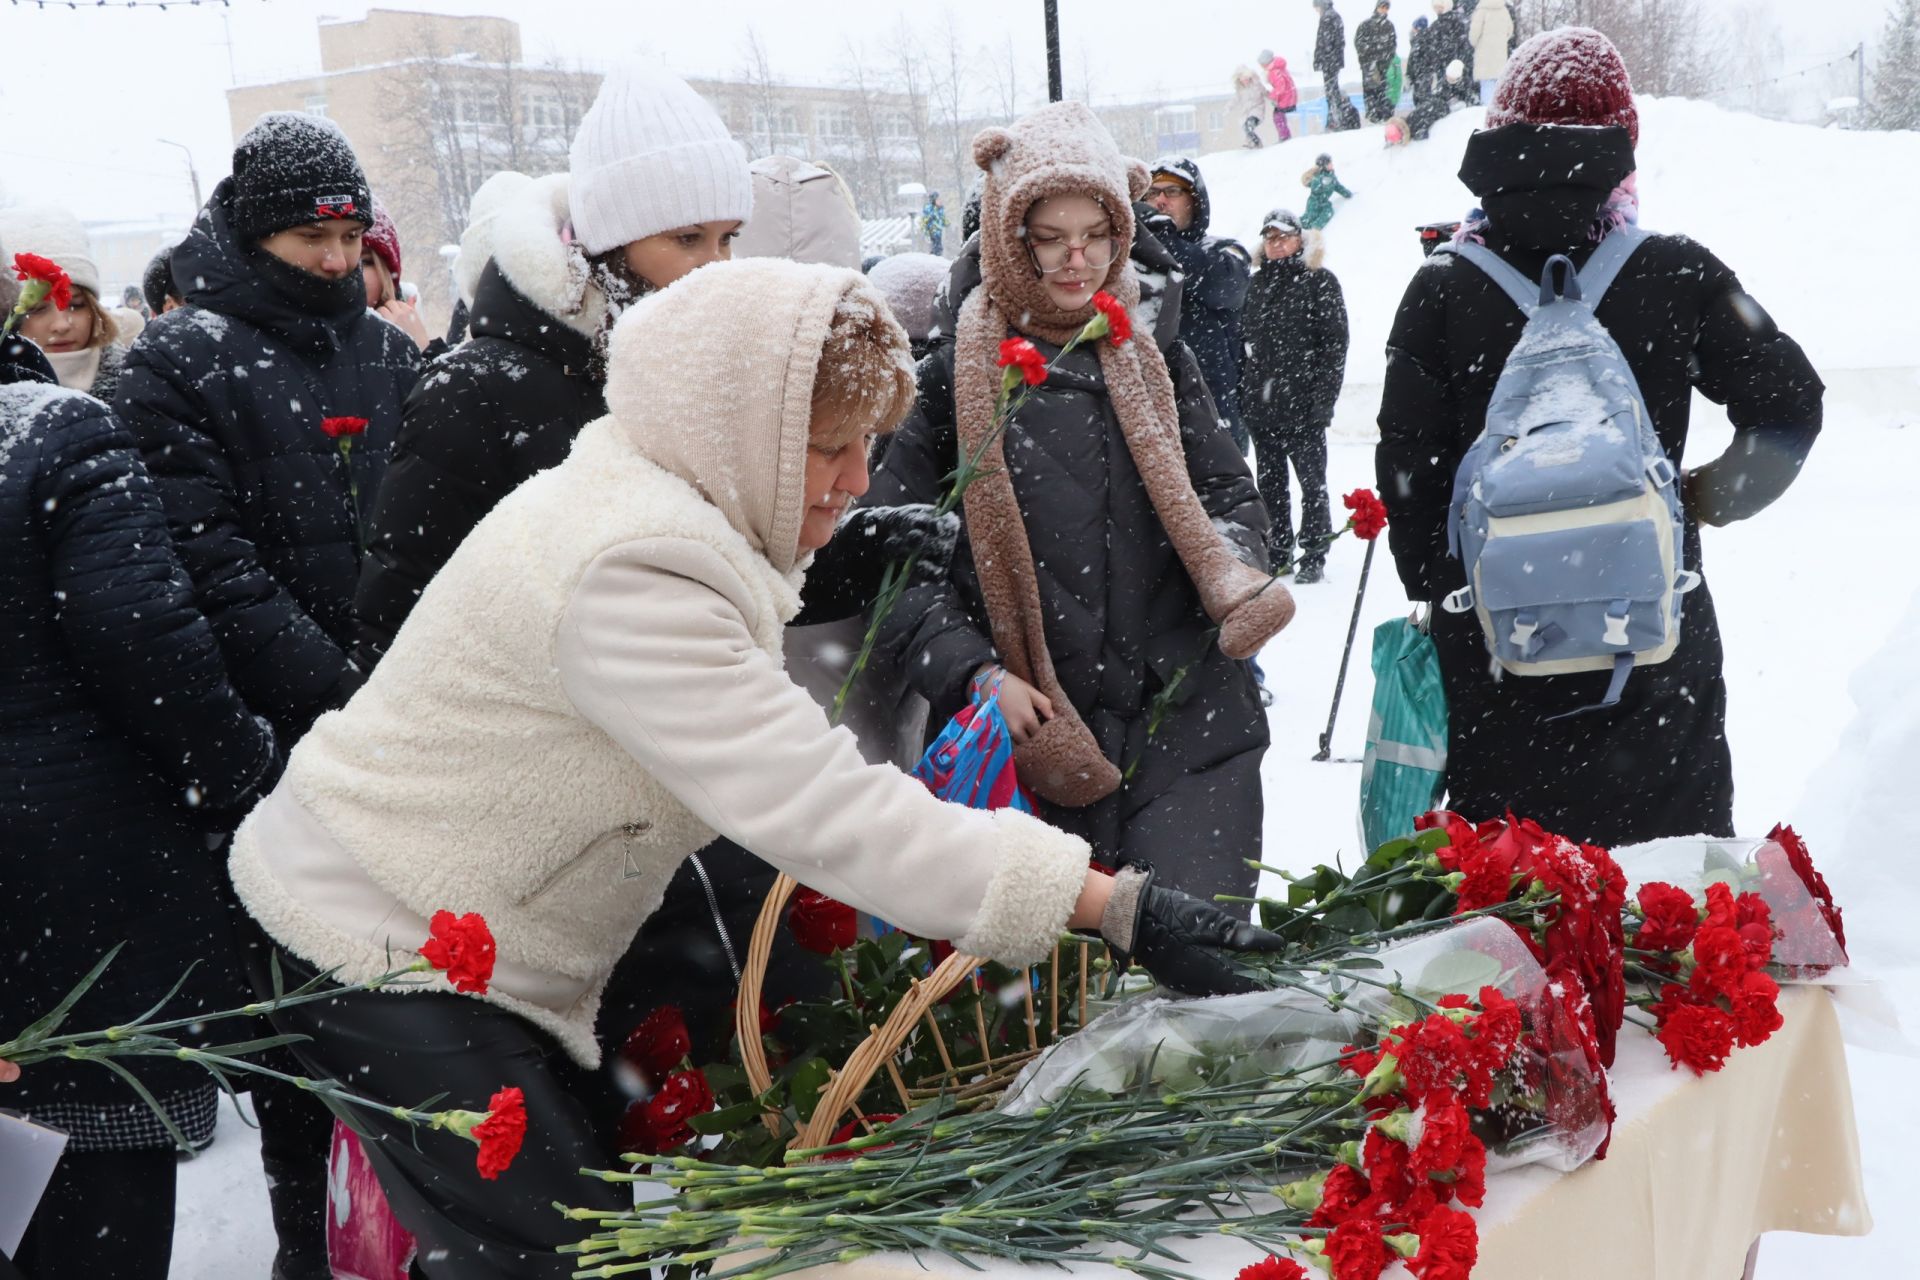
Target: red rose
1344 1190
1756 1012
1369 514
821 924
1460 835
1356 1250
661 1042
338 427
31 266
1119 323
502 1132
1018 353
1272 1268
462 947
660 1123
1801 863
1719 962
1449 1245
1671 917
1694 1035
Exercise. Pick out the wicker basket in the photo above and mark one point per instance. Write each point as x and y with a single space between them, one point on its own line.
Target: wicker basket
972 1080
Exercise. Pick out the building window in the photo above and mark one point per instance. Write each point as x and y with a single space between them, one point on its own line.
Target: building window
316 104
476 106
896 124
1216 119
835 122
782 122
540 111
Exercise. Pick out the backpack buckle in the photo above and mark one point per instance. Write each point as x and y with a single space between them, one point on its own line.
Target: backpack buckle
1458 601
1661 472
1685 581
1616 633
1522 635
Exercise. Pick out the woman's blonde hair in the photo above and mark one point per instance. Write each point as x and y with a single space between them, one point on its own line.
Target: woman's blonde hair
105 329
864 380
389 291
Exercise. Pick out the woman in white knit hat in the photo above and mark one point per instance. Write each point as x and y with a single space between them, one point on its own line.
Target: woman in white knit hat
79 339
589 692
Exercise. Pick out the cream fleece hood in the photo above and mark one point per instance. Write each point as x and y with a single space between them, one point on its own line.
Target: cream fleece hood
712 380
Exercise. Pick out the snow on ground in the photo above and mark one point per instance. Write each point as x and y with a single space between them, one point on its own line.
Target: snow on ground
1819 598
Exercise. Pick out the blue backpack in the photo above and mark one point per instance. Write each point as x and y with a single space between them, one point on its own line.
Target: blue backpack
1566 511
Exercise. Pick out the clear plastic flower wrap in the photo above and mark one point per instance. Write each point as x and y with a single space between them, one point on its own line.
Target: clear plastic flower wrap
1549 1103
1809 939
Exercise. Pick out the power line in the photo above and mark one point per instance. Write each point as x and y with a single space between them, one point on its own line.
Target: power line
122 4
1849 56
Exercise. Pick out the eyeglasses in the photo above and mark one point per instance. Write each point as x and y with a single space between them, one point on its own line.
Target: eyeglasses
1168 189
1053 255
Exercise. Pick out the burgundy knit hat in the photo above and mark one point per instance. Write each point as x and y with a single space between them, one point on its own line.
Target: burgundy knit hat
1570 75
384 239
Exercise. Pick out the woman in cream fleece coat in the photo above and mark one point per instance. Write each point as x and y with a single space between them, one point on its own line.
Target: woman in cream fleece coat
586 694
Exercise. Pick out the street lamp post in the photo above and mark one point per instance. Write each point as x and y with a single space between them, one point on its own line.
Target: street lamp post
192 172
1056 90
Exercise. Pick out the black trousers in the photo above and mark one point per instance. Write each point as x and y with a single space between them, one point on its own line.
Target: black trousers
405 1048
1306 447
1373 84
106 1213
1340 112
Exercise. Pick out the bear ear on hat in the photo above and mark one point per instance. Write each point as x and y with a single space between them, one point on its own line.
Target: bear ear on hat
1138 179
989 145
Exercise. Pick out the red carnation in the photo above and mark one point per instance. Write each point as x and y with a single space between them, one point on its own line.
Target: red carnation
1357 1251
1359 1061
1696 1035
1489 877
1369 514
1344 1190
31 266
1385 1160
1670 918
1119 323
661 1042
1018 353
1470 1175
1445 1131
1496 1034
1273 1268
1801 863
1756 1011
1433 1054
461 947
502 1132
339 427
821 924
1449 1245
1719 962
1754 921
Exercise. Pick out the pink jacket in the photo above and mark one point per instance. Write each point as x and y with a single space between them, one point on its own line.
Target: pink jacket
1280 86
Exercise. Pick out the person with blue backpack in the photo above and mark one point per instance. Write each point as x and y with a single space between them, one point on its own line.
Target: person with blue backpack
1532 429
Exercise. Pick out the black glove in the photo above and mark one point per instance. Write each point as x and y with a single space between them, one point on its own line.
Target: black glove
898 532
1179 938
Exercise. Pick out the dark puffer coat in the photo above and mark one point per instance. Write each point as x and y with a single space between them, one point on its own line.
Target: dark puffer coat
123 745
1330 43
226 397
1214 273
1295 326
1122 615
492 413
1657 764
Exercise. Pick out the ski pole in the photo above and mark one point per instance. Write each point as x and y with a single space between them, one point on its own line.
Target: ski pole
1353 628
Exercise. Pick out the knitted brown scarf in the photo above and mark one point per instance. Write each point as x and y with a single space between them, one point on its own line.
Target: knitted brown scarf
1064 150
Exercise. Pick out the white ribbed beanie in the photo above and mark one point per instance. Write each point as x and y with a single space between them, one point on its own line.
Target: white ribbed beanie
52 233
652 155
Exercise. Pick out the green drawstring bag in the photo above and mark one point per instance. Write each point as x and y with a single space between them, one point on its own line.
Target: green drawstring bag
1404 771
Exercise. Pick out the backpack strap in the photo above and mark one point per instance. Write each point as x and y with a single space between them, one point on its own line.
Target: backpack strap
1524 292
1605 263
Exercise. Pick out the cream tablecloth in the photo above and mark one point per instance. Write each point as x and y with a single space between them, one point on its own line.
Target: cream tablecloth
1697 1170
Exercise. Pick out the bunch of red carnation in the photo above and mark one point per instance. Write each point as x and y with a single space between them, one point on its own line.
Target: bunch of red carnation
1720 952
1576 934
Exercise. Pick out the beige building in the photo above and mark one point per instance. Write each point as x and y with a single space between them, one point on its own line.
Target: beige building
435 105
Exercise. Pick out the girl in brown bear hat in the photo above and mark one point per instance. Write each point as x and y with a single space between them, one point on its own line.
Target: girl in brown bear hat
1115 547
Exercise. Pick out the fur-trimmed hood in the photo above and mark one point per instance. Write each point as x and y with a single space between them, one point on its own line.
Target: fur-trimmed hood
532 243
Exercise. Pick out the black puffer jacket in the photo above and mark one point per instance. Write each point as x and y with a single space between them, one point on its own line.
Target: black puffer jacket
1295 325
1214 274
121 745
490 414
1657 765
226 396
1122 615
1447 40
1375 42
1330 43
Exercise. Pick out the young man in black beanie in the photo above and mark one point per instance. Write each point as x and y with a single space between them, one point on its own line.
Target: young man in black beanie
243 402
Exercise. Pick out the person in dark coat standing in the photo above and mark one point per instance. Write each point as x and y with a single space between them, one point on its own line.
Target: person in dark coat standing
1295 326
1426 80
1214 272
1068 588
1330 59
1375 43
1657 764
1451 43
122 748
234 399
